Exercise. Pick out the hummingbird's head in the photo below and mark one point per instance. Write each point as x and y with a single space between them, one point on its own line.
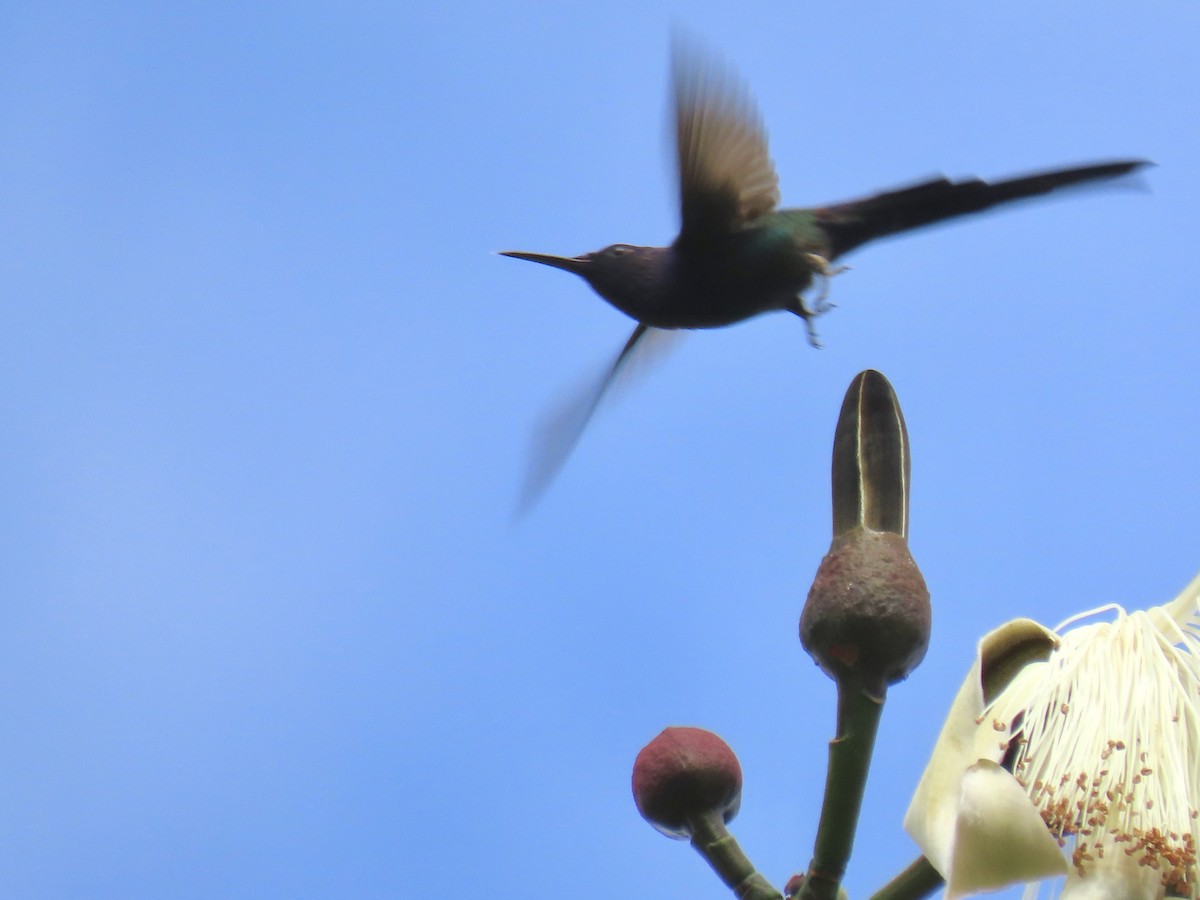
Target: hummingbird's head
619 273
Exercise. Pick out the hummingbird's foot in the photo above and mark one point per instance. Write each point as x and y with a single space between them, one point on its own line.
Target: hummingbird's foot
813 340
820 305
808 315
824 272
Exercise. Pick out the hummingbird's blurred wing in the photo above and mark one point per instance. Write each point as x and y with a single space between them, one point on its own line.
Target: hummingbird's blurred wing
560 429
726 177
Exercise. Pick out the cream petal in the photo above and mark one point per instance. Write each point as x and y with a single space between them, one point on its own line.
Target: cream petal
1184 608
999 837
1003 653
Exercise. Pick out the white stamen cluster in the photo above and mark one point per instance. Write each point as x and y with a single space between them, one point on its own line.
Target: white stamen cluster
1105 738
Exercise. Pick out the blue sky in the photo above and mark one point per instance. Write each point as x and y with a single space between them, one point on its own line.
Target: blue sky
268 628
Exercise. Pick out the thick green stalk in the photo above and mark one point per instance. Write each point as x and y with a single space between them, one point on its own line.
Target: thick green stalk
919 880
721 850
849 762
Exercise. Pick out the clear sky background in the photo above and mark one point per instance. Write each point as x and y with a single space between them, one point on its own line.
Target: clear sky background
266 626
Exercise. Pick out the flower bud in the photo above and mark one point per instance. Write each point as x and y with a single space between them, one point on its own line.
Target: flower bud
867 617
684 775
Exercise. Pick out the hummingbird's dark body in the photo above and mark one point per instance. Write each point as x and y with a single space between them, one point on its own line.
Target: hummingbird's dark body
669 287
762 267
737 255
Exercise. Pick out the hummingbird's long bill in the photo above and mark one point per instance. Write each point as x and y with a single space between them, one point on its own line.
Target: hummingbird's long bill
574 264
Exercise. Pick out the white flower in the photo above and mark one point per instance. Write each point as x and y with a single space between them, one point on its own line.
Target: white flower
1087 739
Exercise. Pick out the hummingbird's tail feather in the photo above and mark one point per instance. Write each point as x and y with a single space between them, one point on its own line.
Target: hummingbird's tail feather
560 430
852 224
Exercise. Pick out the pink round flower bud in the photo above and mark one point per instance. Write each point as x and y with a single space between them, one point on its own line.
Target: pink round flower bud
685 774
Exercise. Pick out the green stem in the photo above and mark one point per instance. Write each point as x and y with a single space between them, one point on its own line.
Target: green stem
721 850
919 880
849 762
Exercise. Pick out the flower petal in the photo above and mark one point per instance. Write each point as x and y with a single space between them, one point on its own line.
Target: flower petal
1003 653
999 837
1184 608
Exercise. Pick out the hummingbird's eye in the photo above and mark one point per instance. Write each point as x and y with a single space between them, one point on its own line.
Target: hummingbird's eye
619 249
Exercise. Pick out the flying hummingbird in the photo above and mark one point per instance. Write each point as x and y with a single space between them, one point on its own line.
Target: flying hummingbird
737 254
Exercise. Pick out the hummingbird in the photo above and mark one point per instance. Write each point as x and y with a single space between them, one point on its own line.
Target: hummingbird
737 254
